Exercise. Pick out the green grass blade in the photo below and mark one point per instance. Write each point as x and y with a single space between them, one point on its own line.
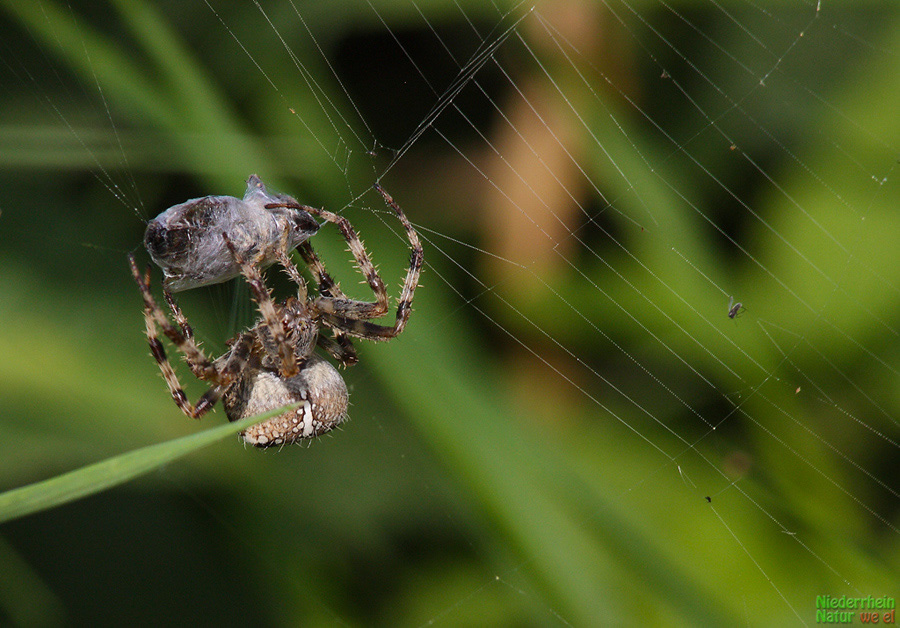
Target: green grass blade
113 471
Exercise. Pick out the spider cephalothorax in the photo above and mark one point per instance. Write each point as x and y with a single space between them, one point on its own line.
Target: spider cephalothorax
274 364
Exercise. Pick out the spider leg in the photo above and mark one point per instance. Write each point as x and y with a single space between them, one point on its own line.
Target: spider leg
350 324
328 287
200 365
206 401
198 362
346 316
333 301
416 259
231 365
294 275
267 308
179 316
233 362
339 347
363 329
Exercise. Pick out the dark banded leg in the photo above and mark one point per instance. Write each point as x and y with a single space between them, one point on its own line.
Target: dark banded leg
233 363
371 331
230 371
266 306
294 275
349 316
334 304
339 347
328 287
206 401
200 365
152 314
416 259
179 316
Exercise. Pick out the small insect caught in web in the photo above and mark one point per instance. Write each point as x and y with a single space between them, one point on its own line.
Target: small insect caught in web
734 309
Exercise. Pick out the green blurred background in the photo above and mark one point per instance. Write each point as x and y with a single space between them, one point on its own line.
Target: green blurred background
536 449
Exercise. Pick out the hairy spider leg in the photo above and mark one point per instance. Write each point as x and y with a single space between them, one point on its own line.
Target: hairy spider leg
184 344
371 331
416 259
341 305
237 356
332 300
288 364
349 316
293 274
178 315
328 287
340 347
196 359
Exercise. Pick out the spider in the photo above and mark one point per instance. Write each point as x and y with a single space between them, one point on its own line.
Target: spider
274 363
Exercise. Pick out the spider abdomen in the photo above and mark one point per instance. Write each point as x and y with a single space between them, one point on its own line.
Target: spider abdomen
318 387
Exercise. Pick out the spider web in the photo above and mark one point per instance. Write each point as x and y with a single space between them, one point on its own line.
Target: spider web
598 431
